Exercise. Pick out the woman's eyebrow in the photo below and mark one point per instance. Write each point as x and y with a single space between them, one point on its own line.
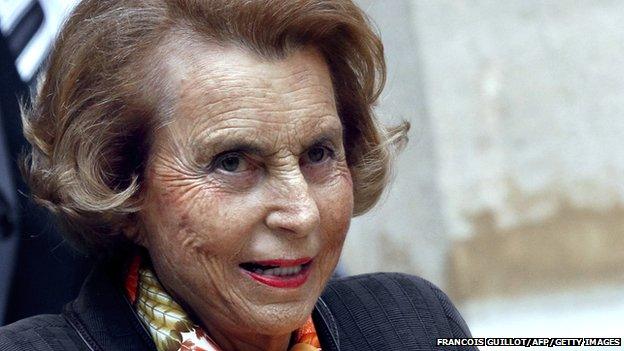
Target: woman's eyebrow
251 145
234 144
330 136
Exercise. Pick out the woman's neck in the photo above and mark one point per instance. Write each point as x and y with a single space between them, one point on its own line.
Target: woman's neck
248 342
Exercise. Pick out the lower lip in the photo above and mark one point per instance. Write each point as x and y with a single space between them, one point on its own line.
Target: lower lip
285 282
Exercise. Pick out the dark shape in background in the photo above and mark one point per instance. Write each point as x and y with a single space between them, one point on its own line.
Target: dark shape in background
39 272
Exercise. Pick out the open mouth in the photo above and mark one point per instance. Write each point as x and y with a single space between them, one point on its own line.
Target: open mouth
279 273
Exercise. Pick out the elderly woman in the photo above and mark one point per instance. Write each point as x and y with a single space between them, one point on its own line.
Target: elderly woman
212 153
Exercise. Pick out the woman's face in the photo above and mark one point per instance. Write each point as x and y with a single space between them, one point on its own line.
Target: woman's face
248 196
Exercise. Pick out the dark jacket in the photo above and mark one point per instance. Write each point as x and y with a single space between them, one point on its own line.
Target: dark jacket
381 311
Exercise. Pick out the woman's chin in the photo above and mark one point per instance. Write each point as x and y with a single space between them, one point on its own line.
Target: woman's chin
280 320
280 312
264 309
270 320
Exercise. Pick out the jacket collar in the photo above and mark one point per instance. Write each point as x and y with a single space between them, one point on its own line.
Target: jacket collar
104 319
326 327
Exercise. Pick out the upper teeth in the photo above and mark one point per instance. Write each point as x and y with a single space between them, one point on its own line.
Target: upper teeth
281 271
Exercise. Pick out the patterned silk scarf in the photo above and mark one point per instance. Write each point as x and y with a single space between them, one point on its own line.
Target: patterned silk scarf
170 327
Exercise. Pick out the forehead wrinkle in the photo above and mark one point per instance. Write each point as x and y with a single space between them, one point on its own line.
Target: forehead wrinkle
221 75
247 66
243 80
211 79
189 57
213 91
206 116
269 115
241 103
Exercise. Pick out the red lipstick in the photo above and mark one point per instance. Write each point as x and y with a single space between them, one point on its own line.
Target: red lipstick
271 272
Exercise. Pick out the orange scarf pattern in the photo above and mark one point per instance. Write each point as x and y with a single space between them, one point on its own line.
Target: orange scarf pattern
169 325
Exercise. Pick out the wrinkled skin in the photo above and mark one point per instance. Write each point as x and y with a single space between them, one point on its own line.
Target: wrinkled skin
286 193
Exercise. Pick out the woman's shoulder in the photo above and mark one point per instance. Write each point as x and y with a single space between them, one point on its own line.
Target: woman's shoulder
393 283
392 308
39 333
392 280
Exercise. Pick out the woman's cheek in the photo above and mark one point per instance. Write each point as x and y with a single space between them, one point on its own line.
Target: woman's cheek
337 201
343 189
178 217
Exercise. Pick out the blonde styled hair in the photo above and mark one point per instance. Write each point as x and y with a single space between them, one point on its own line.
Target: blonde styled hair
91 121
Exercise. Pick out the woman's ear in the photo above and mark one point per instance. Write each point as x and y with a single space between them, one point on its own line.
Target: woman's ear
132 229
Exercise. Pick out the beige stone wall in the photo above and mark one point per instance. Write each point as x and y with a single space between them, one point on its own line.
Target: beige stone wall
514 179
573 248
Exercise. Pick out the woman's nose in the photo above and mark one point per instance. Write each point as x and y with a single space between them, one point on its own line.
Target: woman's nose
294 211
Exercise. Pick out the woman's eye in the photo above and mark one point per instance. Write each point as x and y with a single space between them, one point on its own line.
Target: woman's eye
318 154
233 163
230 163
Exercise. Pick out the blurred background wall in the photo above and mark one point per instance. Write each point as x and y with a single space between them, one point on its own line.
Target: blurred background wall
510 194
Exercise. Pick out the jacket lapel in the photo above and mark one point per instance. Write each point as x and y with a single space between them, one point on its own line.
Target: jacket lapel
103 317
326 327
